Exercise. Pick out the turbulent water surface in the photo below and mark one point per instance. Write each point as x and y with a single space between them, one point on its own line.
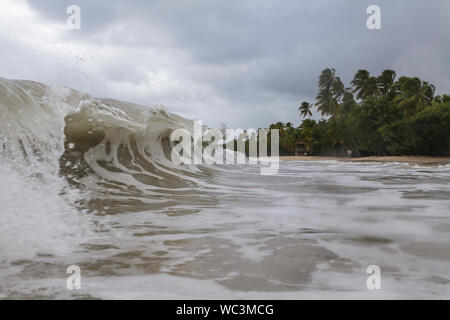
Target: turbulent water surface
88 182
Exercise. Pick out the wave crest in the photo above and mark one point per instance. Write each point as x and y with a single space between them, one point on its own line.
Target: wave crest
114 151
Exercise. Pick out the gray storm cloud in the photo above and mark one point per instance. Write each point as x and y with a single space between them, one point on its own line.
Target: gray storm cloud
245 64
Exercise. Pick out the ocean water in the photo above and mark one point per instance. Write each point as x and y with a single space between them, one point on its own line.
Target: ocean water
87 182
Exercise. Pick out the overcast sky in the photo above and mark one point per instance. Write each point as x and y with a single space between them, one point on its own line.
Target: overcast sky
242 63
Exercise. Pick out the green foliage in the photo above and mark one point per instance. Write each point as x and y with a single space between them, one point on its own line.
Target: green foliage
316 136
432 130
305 109
415 95
289 135
331 90
389 117
369 118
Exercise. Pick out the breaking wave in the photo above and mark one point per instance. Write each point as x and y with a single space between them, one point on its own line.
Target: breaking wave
64 153
89 182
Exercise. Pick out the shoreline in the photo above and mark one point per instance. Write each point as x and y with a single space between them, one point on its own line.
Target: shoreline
424 160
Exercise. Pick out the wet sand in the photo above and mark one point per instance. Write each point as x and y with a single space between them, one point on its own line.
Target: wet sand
423 160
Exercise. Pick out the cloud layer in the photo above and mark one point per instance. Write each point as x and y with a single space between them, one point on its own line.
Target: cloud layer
245 64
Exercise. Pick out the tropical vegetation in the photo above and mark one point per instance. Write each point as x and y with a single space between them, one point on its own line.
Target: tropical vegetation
374 115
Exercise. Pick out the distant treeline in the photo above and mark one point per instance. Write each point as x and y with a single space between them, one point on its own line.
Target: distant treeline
373 116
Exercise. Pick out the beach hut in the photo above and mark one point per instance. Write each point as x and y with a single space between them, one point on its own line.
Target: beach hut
300 148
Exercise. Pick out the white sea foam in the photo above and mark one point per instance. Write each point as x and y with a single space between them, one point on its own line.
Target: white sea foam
87 181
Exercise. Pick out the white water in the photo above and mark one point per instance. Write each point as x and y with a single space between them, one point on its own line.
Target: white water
93 188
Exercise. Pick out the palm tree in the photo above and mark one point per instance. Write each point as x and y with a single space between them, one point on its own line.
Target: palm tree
331 90
326 78
442 99
280 126
415 95
386 82
359 82
305 109
370 88
365 85
325 102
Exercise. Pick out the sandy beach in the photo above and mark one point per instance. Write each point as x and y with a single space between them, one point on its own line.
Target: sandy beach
423 160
